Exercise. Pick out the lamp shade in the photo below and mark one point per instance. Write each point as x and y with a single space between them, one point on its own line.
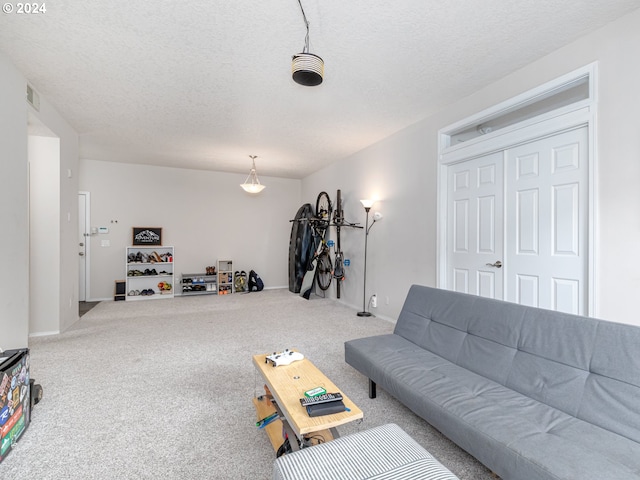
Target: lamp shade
252 187
307 69
367 203
252 184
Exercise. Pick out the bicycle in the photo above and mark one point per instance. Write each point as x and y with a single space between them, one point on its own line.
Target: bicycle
338 222
319 269
324 270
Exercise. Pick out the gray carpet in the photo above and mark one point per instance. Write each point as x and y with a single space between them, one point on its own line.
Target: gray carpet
163 388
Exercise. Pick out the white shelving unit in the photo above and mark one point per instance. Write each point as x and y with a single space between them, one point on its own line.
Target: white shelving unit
199 284
225 277
147 267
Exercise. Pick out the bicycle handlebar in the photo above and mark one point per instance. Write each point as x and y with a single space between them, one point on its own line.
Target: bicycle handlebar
320 220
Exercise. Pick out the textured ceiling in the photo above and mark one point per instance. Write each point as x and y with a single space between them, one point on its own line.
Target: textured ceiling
203 84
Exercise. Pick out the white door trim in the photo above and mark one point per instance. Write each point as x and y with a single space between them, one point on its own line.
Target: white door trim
87 243
580 113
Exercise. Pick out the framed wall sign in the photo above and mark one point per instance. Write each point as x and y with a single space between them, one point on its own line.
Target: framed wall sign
147 236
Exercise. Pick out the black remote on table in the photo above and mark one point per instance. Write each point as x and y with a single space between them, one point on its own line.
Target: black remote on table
327 397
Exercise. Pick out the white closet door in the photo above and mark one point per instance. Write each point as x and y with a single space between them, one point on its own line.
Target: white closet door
527 208
474 226
546 222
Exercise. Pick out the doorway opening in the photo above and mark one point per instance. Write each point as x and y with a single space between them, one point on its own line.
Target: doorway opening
44 228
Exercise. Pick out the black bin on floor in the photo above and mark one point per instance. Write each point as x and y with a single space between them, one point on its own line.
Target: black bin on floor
121 288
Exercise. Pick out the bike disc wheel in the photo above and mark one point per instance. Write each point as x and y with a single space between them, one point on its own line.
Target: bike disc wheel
323 271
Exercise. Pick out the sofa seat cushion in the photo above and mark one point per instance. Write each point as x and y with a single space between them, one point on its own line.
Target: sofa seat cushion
384 452
484 417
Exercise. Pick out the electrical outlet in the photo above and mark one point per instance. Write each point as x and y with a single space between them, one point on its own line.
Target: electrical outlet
374 301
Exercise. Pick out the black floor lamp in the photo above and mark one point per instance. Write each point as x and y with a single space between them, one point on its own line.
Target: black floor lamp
367 204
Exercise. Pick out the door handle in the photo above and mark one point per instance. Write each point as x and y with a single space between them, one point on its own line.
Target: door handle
498 264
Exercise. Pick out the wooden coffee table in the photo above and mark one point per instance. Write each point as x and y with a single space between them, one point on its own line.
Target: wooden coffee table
285 385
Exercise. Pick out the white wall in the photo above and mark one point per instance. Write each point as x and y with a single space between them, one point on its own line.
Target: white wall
44 243
205 215
14 213
66 284
401 247
402 170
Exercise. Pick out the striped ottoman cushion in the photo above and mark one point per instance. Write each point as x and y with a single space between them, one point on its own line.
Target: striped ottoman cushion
384 452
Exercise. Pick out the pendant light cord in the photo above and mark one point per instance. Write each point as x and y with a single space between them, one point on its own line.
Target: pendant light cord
306 22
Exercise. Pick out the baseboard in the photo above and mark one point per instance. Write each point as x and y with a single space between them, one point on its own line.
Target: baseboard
44 334
359 308
386 319
110 299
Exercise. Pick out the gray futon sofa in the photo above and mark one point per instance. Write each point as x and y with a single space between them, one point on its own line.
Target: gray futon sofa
531 393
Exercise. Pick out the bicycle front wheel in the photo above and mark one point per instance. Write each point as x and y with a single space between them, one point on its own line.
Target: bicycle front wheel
323 207
323 271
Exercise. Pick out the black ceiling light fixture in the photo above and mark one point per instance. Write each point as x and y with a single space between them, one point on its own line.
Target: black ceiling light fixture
307 69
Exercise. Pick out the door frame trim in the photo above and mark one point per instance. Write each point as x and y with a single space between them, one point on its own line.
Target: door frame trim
87 243
581 113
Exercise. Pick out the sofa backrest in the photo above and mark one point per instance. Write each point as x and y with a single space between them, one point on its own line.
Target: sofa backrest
585 367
